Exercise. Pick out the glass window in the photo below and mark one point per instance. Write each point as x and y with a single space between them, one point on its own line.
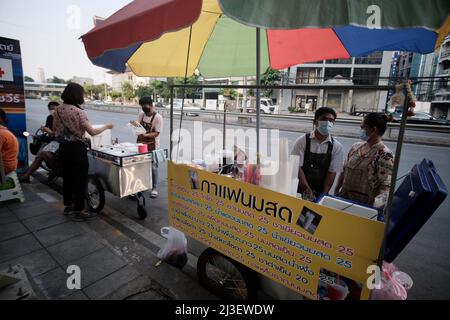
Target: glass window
339 61
330 73
308 75
374 58
366 76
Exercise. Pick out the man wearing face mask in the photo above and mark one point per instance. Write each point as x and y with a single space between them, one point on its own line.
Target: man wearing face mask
152 121
321 156
368 170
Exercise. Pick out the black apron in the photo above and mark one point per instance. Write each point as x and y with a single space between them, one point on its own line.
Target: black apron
315 167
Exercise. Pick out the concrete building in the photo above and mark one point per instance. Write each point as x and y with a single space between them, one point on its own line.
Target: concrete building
41 75
358 71
118 79
440 104
82 80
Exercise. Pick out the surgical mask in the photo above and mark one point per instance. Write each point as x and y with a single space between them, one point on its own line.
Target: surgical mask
146 110
363 135
325 127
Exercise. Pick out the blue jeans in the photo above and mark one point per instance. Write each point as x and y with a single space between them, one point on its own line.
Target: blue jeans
155 175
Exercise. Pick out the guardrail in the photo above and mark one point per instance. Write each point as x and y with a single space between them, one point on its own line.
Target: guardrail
284 117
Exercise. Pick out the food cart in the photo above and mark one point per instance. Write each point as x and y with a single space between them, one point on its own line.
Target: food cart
198 33
120 172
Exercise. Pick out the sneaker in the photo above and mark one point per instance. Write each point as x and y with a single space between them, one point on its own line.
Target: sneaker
154 193
68 210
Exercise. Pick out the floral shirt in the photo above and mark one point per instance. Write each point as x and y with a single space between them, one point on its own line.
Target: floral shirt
380 166
70 123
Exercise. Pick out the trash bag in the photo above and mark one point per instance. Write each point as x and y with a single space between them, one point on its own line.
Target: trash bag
394 284
175 250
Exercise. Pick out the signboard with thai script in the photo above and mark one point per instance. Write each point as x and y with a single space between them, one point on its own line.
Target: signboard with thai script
319 252
12 96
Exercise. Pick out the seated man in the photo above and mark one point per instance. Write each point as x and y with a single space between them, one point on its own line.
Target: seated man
48 152
9 146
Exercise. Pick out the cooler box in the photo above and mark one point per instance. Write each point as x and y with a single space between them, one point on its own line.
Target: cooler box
417 198
348 206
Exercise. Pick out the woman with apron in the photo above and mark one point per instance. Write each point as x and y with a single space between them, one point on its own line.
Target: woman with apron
368 170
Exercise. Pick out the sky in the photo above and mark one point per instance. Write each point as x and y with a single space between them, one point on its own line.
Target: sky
49 31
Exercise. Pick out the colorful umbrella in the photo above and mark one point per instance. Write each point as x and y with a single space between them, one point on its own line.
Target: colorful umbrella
175 37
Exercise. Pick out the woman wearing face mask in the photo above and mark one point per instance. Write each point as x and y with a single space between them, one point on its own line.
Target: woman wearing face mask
368 169
321 156
48 152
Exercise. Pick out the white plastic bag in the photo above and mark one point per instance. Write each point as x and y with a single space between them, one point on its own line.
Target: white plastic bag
175 250
137 130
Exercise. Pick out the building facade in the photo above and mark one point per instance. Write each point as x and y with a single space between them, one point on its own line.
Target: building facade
440 105
370 70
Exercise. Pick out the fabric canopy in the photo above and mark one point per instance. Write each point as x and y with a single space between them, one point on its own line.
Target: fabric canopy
175 37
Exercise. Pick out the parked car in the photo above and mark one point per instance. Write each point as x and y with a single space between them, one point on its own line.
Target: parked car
420 117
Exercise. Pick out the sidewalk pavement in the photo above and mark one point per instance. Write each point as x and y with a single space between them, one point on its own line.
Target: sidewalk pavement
38 236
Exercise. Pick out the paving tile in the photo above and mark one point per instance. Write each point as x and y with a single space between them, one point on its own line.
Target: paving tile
112 283
18 247
36 263
98 265
6 216
53 284
12 230
59 233
4 209
26 212
76 248
45 221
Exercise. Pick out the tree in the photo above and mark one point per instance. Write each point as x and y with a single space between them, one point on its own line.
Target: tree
28 79
55 79
193 80
94 91
144 90
269 78
128 91
231 93
114 95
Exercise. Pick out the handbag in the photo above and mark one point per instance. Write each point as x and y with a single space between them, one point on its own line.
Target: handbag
35 146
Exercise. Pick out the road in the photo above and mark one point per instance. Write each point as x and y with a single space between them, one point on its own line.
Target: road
426 258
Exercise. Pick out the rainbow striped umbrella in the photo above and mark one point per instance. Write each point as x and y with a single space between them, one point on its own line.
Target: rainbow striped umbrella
175 37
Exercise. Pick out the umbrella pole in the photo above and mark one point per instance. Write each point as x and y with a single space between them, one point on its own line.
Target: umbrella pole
171 121
184 88
258 90
388 207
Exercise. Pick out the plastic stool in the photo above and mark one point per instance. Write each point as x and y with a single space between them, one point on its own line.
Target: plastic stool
15 192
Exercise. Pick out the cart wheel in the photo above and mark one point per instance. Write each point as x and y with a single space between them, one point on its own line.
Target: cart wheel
225 277
95 194
142 212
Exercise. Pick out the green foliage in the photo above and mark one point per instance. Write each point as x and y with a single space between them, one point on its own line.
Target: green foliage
231 93
55 79
95 91
270 78
143 91
114 95
28 79
188 92
55 98
128 91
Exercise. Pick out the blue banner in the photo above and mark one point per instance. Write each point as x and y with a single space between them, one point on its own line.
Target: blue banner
12 95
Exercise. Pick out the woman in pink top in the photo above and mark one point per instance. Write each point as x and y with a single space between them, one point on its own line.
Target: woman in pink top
70 125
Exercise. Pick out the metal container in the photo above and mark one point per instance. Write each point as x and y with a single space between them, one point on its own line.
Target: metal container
122 175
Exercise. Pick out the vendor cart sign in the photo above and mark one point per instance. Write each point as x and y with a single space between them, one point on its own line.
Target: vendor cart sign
319 252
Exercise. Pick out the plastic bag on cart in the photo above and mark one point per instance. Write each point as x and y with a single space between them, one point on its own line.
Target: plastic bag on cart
394 284
175 250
